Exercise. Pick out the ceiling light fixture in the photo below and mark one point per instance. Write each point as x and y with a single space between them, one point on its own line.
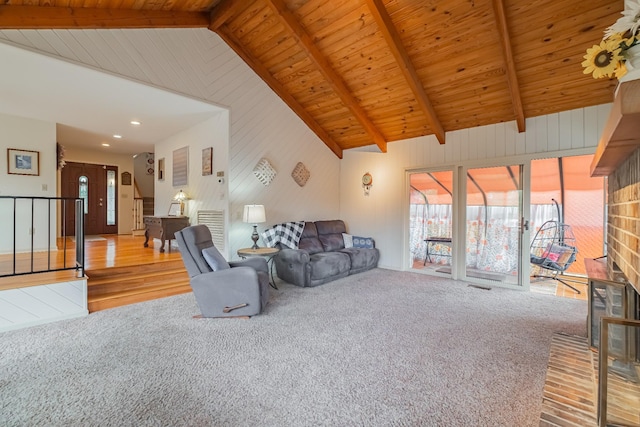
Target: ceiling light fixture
104 144
135 123
116 136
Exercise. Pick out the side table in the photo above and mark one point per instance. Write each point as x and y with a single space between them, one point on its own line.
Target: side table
163 228
268 253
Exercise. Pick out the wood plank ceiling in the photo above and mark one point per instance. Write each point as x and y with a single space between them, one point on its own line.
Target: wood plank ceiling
369 72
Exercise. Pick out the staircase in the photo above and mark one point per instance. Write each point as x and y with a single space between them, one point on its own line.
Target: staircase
117 286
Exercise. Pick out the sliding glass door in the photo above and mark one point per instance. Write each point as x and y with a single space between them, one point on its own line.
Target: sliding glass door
494 225
431 221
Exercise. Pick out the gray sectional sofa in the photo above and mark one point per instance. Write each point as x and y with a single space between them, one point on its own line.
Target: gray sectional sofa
322 257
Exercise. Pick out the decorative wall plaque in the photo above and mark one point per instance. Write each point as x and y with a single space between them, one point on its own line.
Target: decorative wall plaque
180 166
264 171
300 174
126 178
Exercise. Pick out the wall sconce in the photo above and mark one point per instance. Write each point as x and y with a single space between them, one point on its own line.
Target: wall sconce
367 183
254 214
181 197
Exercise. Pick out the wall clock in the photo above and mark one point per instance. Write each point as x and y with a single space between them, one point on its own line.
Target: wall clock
367 182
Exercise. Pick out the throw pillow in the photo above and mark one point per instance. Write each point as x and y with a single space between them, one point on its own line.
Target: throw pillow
348 240
215 259
290 233
270 237
362 242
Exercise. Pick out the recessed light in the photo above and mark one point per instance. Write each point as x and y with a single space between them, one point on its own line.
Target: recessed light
135 123
104 144
116 136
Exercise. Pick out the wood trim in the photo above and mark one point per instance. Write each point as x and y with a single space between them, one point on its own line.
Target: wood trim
512 77
223 12
336 82
226 35
36 17
398 50
621 134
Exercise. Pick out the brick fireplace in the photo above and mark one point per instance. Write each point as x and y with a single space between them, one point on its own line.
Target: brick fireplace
618 158
623 221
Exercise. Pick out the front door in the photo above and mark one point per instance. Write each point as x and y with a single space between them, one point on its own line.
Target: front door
97 186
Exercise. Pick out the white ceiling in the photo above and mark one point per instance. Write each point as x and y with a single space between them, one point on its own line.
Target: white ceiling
90 106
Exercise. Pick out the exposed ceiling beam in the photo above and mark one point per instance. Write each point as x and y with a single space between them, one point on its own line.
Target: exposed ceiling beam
279 89
512 78
49 17
392 37
335 81
225 10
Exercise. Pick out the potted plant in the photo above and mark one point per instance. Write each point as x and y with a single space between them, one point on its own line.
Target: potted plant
619 51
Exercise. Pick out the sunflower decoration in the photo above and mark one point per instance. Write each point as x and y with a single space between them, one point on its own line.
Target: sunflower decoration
608 59
603 59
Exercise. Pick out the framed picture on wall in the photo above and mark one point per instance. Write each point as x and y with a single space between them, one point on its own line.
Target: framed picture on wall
180 166
161 169
23 162
207 161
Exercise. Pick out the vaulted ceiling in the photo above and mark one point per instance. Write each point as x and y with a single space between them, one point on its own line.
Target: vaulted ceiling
369 72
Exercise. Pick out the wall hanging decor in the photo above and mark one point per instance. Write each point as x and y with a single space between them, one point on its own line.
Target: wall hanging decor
264 171
300 174
180 166
23 162
367 183
125 178
161 169
207 161
60 155
150 162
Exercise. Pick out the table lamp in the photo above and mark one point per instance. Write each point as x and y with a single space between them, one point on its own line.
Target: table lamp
181 197
254 214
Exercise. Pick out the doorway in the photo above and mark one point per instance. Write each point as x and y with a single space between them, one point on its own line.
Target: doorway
97 186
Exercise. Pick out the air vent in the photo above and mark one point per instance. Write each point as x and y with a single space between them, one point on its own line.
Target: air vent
215 221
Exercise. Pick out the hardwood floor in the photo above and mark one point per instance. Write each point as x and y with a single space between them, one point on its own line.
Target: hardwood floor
120 270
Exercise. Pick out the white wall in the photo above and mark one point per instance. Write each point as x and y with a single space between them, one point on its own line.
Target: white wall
204 192
124 162
197 63
34 135
381 214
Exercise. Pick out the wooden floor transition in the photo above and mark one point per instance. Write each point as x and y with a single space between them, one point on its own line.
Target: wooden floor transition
120 270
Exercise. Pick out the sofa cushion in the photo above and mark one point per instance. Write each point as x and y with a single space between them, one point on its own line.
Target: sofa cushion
329 264
362 259
330 234
309 239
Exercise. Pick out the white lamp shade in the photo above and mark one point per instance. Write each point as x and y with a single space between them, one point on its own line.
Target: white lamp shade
254 214
180 196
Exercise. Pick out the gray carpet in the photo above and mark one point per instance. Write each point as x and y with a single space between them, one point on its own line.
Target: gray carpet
381 348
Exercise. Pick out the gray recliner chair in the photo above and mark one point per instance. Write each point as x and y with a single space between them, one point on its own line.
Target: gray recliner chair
221 288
